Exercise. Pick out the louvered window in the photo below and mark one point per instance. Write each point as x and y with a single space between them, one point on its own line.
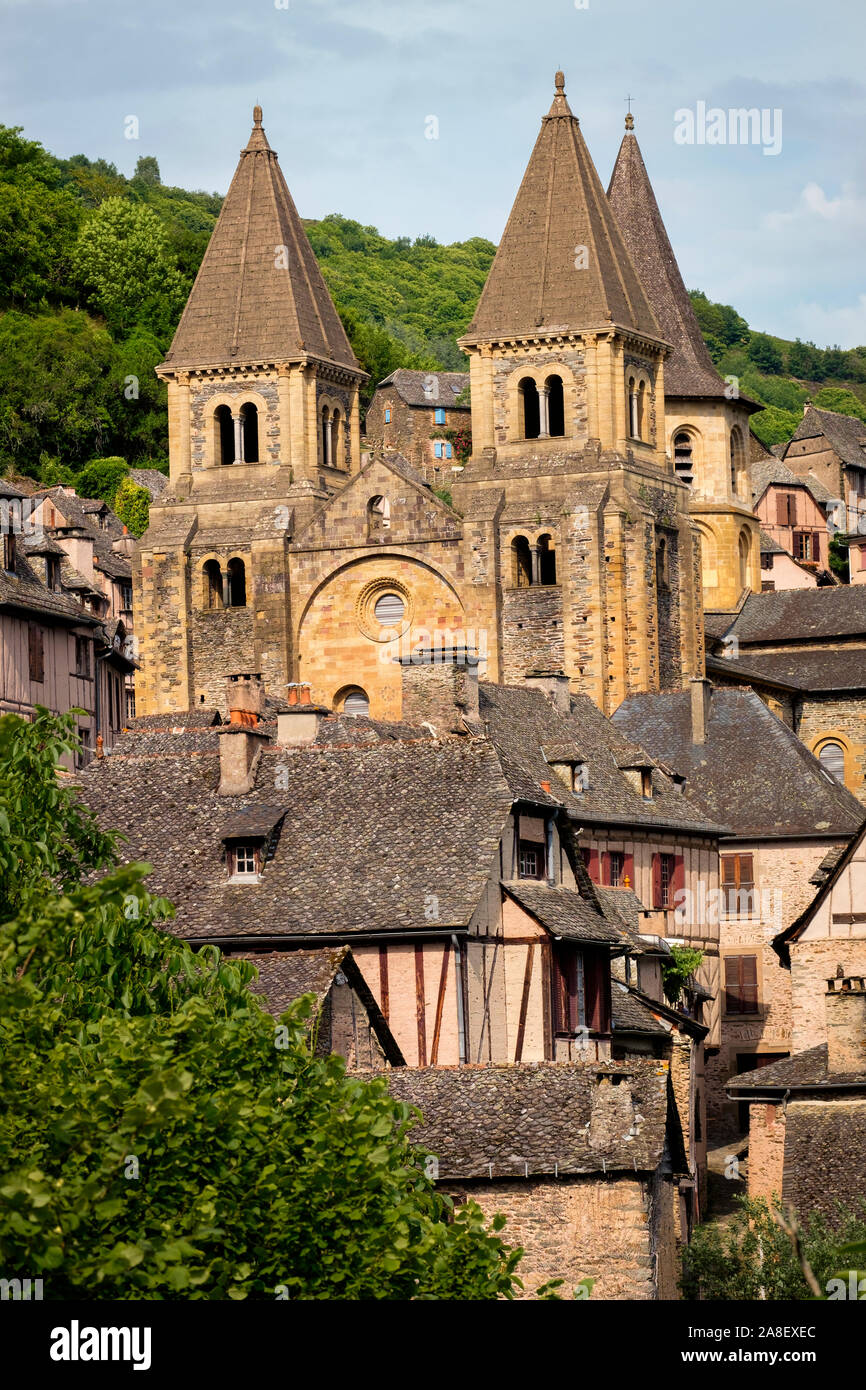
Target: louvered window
356 702
832 759
741 984
389 610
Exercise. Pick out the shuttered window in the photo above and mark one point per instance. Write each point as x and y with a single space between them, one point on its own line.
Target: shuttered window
738 884
832 759
668 879
569 995
741 984
786 510
37 653
389 610
356 702
439 416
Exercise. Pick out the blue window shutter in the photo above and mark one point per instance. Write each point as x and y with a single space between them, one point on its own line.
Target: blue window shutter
440 416
439 451
387 416
449 452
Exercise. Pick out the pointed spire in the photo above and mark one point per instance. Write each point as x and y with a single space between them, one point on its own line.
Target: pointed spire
562 264
259 295
689 370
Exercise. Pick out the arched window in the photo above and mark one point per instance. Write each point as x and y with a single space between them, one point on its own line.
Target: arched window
546 560
641 431
662 565
378 515
356 701
555 406
737 457
631 406
529 410
521 563
249 433
832 759
326 436
225 434
388 610
212 587
337 440
237 583
744 551
683 457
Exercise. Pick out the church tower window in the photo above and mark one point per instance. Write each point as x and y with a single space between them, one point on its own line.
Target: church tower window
546 560
641 412
237 585
212 595
327 425
225 434
555 406
683 457
737 456
521 563
529 408
249 433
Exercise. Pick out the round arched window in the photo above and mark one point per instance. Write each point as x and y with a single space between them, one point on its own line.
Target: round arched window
389 610
832 759
356 702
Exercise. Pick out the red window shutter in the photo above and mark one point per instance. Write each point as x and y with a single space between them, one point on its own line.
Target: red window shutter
591 861
628 871
605 868
37 653
596 974
782 508
657 880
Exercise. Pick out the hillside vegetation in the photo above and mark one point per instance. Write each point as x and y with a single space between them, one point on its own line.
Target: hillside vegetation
95 268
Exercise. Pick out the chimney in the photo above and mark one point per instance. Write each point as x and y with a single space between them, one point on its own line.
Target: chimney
845 1002
241 740
701 695
298 725
556 686
440 688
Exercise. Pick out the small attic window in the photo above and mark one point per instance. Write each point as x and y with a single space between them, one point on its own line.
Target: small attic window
646 783
245 862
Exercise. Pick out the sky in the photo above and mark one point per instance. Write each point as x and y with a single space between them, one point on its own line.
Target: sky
349 88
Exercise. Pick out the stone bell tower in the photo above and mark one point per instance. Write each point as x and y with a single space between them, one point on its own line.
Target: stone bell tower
583 557
263 428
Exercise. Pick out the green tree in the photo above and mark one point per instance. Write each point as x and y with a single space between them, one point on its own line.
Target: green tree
147 170
677 968
132 505
804 361
160 1135
753 1258
842 401
102 478
764 353
123 258
774 426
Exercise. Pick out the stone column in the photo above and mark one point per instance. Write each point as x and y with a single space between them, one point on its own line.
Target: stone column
239 438
536 564
329 443
226 589
543 413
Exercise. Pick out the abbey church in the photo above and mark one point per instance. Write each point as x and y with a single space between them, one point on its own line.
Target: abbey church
605 507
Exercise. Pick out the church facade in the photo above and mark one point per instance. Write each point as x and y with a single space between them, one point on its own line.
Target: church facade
573 544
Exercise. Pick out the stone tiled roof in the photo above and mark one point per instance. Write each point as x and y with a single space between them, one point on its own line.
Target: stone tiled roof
242 308
770 471
373 834
565 913
540 1117
533 286
83 512
804 1071
827 865
757 450
689 370
752 774
770 546
799 670
24 590
522 722
409 386
630 1014
845 434
825 1141
150 478
803 615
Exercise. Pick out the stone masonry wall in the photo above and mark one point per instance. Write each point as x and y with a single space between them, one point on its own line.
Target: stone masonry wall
766 1148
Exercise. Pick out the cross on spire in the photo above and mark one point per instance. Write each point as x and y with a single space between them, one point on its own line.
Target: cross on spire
629 120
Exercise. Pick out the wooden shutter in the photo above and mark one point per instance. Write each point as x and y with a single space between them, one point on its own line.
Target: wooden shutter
729 883
590 858
628 871
596 974
746 876
741 984
605 868
37 653
678 879
657 880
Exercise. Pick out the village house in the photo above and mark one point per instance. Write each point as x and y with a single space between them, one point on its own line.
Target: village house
783 812
98 560
417 415
792 509
831 448
779 569
57 646
804 652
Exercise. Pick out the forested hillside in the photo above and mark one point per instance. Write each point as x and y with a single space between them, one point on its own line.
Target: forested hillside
95 268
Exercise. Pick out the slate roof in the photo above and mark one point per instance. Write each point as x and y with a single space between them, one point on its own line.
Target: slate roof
798 670
532 286
845 434
83 512
772 471
802 615
565 913
24 590
689 370
539 1117
409 386
804 1071
152 479
522 722
752 774
825 1141
769 546
630 1014
242 309
372 836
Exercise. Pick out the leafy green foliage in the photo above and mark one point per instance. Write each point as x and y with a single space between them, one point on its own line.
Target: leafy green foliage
102 478
132 505
764 353
677 968
159 1136
843 402
122 255
774 426
753 1258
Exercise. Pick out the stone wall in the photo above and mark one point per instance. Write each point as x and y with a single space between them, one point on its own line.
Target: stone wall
813 963
617 1230
843 718
766 1148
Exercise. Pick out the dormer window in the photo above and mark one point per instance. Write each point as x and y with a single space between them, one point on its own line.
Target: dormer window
9 551
646 783
580 775
530 860
245 862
